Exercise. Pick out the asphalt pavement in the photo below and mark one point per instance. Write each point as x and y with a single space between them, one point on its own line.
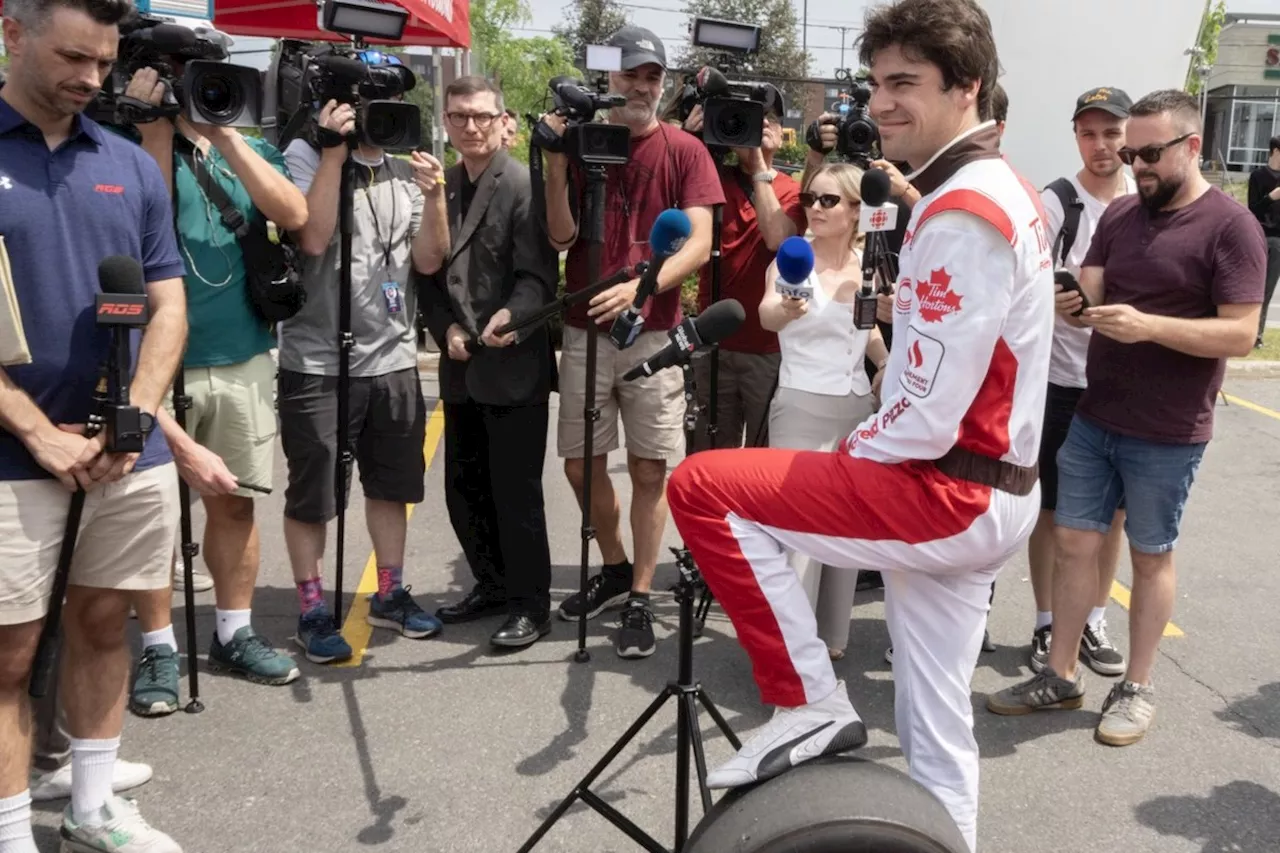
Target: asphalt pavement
444 746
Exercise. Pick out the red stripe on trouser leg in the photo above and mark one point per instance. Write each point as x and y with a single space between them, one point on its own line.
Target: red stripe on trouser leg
738 510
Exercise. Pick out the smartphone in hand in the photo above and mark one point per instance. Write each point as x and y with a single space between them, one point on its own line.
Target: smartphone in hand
1069 283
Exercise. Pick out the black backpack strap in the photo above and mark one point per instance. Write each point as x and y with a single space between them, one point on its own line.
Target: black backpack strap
231 217
1072 207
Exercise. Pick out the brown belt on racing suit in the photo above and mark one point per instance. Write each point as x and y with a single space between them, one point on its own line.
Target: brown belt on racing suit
966 465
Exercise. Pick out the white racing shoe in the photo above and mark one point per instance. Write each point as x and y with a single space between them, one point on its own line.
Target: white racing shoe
793 736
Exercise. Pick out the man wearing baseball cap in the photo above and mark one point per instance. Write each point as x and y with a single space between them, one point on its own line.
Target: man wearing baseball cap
668 168
1073 206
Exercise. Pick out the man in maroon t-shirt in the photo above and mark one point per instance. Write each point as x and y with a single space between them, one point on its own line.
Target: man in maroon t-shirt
1175 274
668 168
762 208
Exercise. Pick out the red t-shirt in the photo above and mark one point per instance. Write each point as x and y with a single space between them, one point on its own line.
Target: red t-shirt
745 259
1182 263
668 168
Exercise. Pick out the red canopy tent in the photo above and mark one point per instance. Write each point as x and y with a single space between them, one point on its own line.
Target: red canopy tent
432 23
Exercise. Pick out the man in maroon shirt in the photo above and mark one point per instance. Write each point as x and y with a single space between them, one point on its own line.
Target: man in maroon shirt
1175 276
762 208
668 168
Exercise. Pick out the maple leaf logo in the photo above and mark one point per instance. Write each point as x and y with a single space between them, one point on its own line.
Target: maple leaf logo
936 298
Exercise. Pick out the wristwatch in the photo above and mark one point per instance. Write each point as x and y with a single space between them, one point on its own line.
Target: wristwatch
765 177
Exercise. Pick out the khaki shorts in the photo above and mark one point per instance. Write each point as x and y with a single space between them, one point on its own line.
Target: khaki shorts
652 407
126 538
233 414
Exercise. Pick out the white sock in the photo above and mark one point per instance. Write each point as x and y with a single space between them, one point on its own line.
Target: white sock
1043 617
1096 616
163 637
15 824
230 621
93 764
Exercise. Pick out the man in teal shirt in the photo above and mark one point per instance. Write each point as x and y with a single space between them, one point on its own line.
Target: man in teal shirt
230 378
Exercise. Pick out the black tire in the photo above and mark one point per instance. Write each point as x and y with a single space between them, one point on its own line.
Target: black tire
838 804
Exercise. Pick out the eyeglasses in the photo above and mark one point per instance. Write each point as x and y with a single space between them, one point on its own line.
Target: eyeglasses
827 200
482 120
1150 154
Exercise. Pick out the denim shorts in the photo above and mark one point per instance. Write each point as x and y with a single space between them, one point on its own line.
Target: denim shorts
1098 467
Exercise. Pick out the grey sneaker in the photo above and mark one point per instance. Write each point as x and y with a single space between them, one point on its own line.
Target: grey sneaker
1126 714
155 682
122 830
1040 642
1099 653
1044 691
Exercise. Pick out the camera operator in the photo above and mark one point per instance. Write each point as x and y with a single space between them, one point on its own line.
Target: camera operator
229 376
71 196
762 208
496 402
933 489
399 225
1172 287
510 128
668 168
1264 201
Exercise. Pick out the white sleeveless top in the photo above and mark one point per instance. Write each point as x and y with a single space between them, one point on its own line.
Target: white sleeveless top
822 352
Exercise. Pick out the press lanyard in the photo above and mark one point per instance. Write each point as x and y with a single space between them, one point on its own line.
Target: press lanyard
377 229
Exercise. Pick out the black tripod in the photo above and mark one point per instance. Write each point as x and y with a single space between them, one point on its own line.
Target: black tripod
182 402
684 690
344 458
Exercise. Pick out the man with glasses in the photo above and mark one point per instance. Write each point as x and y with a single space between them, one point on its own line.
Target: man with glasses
1172 286
398 226
496 411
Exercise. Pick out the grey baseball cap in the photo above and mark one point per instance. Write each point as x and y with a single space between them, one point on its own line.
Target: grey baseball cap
639 47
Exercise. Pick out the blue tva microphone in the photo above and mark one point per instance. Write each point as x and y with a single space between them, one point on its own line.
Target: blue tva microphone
666 237
795 264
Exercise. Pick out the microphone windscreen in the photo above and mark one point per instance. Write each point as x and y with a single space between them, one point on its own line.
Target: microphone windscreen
712 83
121 274
170 38
795 260
875 187
669 231
344 69
720 320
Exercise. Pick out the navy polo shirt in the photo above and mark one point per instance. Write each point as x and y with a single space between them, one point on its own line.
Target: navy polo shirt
61 213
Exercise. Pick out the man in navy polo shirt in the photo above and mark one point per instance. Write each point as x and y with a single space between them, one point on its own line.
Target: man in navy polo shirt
71 195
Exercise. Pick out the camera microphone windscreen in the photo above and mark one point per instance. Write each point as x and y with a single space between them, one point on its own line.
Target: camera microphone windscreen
121 274
344 69
712 83
874 188
795 264
167 38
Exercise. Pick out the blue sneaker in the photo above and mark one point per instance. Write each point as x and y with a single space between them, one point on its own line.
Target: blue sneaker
401 613
319 638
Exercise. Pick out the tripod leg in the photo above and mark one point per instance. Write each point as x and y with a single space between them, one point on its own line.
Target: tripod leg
684 733
719 718
181 402
689 708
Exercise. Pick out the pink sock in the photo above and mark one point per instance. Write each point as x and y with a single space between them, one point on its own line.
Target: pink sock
311 595
389 579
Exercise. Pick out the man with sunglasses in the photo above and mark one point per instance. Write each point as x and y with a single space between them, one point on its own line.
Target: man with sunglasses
1172 287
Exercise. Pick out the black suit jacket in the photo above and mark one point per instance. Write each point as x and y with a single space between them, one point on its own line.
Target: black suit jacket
499 257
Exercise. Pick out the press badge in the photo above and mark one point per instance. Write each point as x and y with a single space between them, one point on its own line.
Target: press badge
391 292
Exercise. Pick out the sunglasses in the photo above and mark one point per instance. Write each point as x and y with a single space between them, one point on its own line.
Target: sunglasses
1150 154
827 200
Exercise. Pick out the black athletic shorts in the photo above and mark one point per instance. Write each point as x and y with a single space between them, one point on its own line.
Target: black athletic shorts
1059 408
387 418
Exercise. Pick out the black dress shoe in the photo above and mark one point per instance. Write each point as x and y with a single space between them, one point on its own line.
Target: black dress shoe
521 631
476 605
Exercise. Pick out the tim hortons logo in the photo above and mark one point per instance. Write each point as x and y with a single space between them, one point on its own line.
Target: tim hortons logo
121 309
936 298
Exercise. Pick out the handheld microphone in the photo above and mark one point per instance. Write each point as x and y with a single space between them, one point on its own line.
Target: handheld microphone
874 219
718 322
795 265
122 305
667 236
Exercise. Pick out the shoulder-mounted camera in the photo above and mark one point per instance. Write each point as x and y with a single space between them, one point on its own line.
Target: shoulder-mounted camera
857 134
732 111
590 143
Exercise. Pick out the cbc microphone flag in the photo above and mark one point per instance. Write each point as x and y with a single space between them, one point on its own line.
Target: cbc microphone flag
13 341
882 218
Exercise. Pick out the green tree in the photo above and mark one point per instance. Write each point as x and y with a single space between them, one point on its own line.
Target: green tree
1206 49
779 55
589 22
520 66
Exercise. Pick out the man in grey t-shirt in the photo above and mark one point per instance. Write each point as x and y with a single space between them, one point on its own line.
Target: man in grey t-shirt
399 224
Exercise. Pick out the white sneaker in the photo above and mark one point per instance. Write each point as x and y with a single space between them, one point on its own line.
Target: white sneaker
122 830
794 735
201 581
57 785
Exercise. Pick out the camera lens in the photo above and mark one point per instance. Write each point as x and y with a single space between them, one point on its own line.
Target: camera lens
218 97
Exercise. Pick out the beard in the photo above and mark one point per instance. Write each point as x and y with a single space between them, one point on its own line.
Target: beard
636 112
1102 170
1156 197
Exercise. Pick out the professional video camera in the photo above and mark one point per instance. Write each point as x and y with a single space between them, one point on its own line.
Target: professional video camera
210 91
732 111
858 136
304 76
590 143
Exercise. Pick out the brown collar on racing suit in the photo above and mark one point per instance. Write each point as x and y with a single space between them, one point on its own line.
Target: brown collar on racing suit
979 143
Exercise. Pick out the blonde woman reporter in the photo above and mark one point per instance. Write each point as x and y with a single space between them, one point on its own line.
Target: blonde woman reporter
823 389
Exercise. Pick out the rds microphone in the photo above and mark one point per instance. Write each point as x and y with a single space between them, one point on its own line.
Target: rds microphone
667 236
719 321
795 265
875 218
123 306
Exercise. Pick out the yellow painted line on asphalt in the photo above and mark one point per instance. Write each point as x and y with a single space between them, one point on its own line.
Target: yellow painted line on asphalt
1120 593
1253 407
356 629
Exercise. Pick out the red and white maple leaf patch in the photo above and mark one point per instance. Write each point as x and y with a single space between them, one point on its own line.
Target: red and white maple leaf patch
936 298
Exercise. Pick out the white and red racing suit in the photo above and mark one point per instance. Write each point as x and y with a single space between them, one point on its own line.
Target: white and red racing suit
937 489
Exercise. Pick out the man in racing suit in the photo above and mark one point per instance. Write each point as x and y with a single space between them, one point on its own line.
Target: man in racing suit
938 489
